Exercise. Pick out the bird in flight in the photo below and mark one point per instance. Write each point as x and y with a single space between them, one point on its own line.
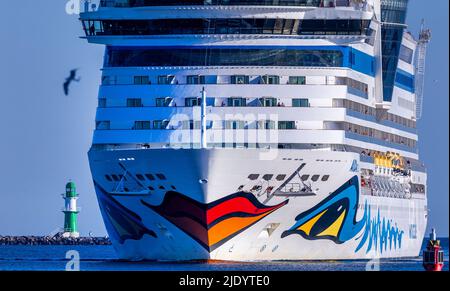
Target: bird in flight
70 79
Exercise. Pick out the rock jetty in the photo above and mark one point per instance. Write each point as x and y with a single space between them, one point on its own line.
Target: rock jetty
55 240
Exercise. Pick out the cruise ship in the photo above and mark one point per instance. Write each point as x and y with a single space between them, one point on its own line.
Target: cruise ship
256 130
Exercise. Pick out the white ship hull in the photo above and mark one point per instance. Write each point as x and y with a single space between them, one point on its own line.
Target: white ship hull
207 207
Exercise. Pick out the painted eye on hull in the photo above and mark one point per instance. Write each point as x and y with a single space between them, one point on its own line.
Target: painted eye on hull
334 218
124 223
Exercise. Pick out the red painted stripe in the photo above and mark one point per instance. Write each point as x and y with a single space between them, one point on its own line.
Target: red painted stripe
180 205
238 204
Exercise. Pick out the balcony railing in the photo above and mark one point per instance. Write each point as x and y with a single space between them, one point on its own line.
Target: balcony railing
307 3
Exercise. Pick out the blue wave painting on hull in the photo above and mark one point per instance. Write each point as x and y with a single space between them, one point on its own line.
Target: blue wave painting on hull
380 233
335 219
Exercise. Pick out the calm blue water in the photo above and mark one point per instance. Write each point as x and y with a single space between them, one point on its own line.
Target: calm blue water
103 258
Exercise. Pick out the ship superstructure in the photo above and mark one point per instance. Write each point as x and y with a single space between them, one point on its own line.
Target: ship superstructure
258 130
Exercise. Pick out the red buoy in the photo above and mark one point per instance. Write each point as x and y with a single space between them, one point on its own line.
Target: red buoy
433 256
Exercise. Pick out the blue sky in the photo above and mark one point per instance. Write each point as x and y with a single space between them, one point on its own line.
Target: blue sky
45 136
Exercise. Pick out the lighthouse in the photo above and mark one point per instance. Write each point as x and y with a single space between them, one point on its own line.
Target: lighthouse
70 211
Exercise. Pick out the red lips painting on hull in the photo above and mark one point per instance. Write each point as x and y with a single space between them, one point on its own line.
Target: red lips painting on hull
213 224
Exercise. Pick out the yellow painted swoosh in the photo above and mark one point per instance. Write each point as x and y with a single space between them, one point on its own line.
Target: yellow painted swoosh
307 226
334 228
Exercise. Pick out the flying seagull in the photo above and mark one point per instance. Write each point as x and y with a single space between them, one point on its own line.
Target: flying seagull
72 77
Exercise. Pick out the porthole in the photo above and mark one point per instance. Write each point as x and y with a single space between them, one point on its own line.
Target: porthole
325 178
140 177
115 178
314 178
253 177
150 177
108 178
281 177
267 177
161 176
305 177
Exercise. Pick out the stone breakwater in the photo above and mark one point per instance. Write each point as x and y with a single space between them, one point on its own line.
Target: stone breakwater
57 240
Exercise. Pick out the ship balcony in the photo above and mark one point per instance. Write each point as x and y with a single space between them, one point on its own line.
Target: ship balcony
295 9
300 3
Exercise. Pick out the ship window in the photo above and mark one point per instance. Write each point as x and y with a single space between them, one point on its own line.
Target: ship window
126 189
162 188
191 124
106 80
163 102
281 177
141 80
286 125
134 102
268 101
234 124
325 178
300 102
224 57
122 177
108 178
228 26
236 102
266 124
195 79
406 54
173 187
166 79
305 177
103 125
150 177
115 177
101 102
240 79
271 80
253 176
192 101
161 177
160 124
297 80
314 178
140 177
267 177
141 125
151 188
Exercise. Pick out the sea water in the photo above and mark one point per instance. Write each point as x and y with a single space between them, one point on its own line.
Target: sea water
103 258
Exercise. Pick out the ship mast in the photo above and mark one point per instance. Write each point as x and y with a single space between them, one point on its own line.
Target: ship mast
203 119
424 39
